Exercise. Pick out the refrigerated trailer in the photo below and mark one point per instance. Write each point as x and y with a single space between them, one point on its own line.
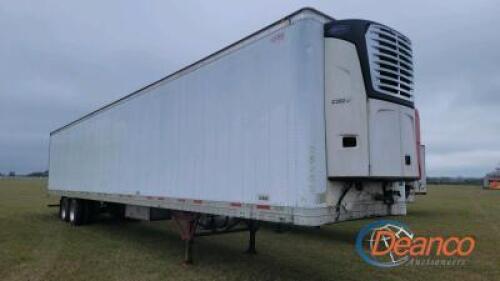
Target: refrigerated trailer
308 121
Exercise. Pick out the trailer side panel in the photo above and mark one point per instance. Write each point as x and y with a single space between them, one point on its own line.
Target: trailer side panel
243 128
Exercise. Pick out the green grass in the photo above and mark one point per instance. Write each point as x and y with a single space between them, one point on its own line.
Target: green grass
35 245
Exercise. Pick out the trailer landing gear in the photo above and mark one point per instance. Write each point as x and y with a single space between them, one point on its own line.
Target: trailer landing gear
187 224
190 227
252 229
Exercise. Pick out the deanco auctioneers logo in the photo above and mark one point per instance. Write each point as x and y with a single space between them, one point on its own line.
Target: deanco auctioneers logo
386 243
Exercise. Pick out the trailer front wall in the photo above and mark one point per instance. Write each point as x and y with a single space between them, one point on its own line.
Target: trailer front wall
248 127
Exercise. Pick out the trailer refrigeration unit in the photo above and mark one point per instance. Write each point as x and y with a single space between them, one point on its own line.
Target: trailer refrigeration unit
309 121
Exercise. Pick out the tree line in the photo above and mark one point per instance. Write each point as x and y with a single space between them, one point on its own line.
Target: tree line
454 180
32 174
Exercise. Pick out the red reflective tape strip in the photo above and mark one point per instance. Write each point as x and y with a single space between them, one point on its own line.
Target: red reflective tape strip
264 207
197 201
235 204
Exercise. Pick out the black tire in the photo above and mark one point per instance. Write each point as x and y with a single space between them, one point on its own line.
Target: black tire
76 212
64 209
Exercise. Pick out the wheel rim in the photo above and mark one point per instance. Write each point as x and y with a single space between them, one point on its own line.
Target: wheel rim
72 213
63 211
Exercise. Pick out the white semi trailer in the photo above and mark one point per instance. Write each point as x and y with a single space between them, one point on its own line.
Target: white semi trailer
308 121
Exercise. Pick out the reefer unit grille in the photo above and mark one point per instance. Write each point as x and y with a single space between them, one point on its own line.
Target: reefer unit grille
391 62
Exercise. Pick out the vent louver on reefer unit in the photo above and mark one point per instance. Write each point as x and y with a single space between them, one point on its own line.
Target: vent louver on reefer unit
391 62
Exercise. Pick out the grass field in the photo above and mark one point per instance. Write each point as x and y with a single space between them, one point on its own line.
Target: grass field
36 245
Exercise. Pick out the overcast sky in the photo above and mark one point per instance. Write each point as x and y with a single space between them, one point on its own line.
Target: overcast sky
60 60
